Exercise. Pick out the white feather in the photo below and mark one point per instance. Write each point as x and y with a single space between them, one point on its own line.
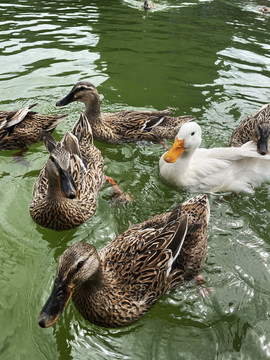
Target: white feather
215 169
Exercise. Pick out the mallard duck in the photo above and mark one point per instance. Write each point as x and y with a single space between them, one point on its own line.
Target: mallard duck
153 126
217 169
254 127
265 9
148 5
120 283
66 190
21 128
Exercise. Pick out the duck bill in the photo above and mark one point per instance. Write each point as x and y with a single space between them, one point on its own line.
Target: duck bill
175 151
262 146
55 305
66 100
67 185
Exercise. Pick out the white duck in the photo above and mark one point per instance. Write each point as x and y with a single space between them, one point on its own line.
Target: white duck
216 169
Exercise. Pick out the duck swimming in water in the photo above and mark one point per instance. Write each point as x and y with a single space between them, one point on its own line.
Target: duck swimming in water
120 283
217 169
254 127
123 126
66 190
21 128
148 5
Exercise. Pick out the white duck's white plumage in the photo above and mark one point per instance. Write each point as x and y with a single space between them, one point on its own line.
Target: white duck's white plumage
216 169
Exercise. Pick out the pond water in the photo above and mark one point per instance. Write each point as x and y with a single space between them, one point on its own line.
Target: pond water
205 58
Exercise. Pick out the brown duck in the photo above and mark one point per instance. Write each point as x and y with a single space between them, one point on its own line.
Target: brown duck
254 127
21 128
123 126
148 5
265 9
66 190
120 283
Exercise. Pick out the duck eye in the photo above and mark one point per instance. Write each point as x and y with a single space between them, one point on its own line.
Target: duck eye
79 265
193 133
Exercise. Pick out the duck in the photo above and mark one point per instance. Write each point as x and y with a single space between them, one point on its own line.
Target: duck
148 5
254 127
123 126
118 284
265 9
223 169
66 190
21 128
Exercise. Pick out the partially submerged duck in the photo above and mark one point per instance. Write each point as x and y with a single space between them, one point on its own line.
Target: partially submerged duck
118 284
217 169
254 127
264 9
21 128
66 190
148 5
123 126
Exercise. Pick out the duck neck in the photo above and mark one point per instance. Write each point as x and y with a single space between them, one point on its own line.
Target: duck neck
92 286
183 161
92 298
92 111
54 190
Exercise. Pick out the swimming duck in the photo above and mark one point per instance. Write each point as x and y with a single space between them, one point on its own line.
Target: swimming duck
265 9
254 127
148 5
153 126
66 190
118 284
21 128
217 169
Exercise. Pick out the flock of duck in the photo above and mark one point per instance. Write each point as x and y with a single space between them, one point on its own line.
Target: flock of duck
118 284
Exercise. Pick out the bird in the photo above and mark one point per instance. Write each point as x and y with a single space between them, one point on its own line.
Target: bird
66 190
119 284
264 9
232 169
148 5
254 127
21 128
123 126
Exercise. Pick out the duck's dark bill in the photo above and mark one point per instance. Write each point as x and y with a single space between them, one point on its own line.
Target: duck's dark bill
66 100
54 305
67 185
262 146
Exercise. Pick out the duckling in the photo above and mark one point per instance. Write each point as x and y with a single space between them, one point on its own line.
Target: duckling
21 128
254 127
66 190
265 9
119 284
148 5
123 126
217 169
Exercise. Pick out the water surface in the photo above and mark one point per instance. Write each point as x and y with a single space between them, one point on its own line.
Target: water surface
206 58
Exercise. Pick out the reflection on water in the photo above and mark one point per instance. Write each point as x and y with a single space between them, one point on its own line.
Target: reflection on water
206 58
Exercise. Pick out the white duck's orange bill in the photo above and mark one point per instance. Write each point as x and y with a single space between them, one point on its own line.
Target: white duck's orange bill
175 151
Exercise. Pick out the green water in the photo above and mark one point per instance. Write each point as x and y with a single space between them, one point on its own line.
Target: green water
206 58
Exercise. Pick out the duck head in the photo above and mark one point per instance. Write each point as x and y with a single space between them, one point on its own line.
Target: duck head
78 264
261 136
83 91
58 166
188 139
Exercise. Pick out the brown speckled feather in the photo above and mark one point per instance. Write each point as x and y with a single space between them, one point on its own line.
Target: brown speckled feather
58 212
245 131
120 283
27 131
124 126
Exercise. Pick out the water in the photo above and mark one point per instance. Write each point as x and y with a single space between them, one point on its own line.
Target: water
206 58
